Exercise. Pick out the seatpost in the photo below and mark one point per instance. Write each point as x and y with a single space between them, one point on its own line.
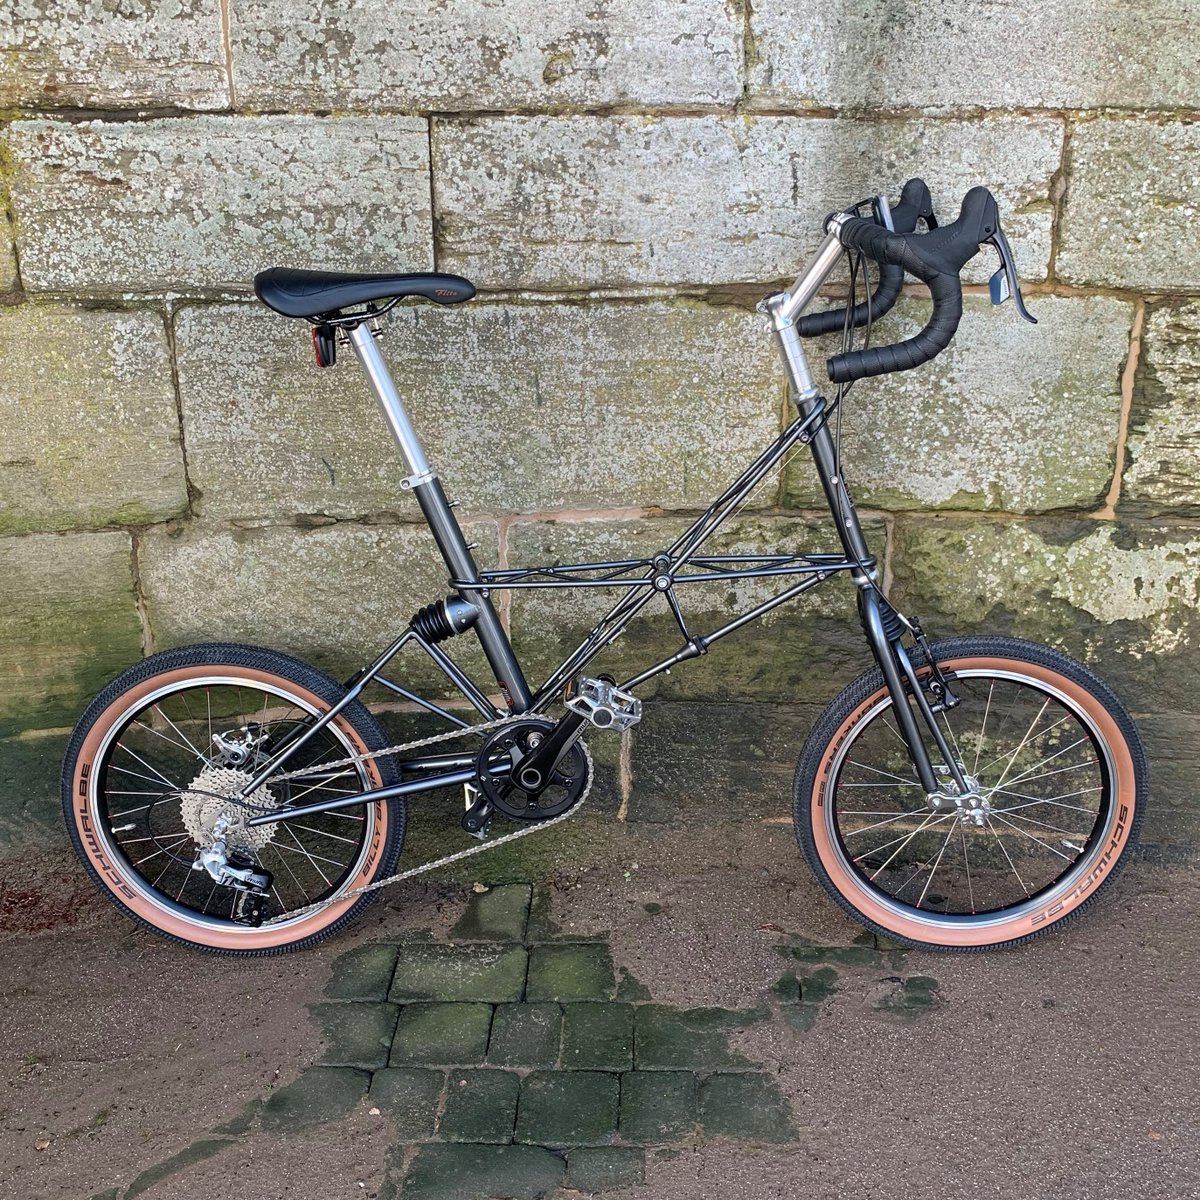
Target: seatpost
446 531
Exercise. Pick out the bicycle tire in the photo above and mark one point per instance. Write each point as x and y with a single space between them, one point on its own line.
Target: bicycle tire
834 823
136 734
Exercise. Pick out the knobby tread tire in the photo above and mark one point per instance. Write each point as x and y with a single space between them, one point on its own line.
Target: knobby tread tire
820 746
287 670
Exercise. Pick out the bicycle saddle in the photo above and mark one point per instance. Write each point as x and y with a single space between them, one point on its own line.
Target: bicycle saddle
318 293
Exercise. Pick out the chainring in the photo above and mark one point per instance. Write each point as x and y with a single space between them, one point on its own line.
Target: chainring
511 745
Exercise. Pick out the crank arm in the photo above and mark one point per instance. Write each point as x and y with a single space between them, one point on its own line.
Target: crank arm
541 764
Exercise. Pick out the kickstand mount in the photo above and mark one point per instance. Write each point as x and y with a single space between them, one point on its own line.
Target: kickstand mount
478 811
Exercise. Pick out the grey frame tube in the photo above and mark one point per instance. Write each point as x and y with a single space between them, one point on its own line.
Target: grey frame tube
445 529
457 555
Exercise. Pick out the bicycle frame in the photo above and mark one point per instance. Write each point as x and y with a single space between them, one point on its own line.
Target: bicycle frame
641 580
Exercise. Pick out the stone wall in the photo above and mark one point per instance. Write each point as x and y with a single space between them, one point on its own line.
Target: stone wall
622 179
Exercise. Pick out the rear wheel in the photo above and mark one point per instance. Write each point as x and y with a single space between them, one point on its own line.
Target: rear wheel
150 770
1056 779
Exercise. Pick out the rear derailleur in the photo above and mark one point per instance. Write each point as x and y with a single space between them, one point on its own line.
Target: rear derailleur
234 870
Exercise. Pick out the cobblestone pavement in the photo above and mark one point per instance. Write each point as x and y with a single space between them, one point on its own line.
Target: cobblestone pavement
627 1027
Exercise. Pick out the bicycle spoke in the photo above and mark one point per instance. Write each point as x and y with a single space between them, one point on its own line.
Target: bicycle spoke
165 850
1045 732
929 821
1043 825
878 771
306 854
1010 861
1024 741
184 736
1057 801
300 848
149 767
1048 758
876 824
139 775
159 734
322 833
287 867
1026 833
893 786
967 864
937 863
983 728
1088 762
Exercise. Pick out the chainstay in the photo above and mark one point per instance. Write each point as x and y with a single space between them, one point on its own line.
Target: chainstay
355 760
458 855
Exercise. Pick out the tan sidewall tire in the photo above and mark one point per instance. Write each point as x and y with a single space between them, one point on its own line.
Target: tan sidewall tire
134 900
847 884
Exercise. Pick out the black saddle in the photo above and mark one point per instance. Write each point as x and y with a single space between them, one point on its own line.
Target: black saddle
319 293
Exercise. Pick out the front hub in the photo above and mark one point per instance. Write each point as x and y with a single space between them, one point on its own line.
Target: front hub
972 808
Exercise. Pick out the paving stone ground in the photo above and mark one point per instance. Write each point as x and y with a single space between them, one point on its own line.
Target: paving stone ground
654 1038
509 1068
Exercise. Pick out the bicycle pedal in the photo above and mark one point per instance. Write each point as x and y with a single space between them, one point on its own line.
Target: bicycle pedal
604 704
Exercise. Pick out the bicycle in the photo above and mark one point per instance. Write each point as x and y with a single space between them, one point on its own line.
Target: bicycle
962 794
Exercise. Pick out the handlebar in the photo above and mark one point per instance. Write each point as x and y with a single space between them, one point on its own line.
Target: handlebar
915 204
936 258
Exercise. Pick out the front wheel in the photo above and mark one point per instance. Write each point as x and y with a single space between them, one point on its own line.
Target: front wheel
151 769
1056 792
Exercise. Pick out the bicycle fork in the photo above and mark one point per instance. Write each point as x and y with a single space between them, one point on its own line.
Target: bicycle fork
882 624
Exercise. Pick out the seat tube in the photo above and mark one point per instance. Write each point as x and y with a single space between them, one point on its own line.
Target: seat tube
442 523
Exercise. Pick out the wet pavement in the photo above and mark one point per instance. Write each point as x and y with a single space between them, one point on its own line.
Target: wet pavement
646 1014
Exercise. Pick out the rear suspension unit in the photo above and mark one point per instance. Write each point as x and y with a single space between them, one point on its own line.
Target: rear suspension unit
444 619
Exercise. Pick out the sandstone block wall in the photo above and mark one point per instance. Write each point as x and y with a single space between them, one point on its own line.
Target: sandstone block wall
622 180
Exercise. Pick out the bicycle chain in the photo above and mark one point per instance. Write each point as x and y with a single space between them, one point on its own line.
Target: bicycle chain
433 864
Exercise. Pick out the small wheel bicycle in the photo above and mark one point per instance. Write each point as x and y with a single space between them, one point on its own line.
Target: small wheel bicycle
963 794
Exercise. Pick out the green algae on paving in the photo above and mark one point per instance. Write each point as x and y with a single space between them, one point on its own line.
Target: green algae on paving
746 1106
800 1000
364 973
694 1038
597 1036
442 1034
457 1172
911 997
567 1108
409 1096
319 1094
630 988
576 971
525 1035
468 972
866 952
196 1152
657 1106
499 914
356 1035
602 1168
481 1106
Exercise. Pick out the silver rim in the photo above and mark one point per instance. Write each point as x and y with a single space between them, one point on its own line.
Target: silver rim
900 835
149 775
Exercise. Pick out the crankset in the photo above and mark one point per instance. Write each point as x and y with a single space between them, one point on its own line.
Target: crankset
514 789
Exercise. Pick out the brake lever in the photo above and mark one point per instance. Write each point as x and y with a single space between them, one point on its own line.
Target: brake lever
1004 282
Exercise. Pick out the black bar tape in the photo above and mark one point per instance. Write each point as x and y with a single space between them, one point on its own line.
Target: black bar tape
915 203
936 258
833 320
